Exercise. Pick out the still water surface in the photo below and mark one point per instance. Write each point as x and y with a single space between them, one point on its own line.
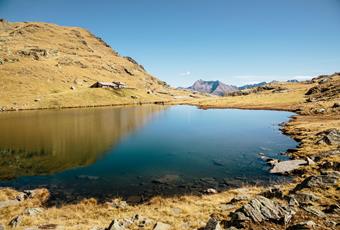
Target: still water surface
138 150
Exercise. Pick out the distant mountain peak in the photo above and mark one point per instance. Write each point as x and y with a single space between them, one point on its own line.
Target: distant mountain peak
212 87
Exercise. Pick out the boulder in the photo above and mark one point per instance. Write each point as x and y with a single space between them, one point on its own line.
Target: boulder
315 211
305 198
8 203
161 226
210 191
329 137
284 167
261 209
321 181
212 224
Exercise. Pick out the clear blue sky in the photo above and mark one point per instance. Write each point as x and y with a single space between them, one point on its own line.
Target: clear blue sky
180 41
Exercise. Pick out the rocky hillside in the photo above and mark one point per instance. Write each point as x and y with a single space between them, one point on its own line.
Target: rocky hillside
213 87
249 86
45 65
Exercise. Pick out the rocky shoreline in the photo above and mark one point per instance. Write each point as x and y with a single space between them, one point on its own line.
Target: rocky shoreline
309 201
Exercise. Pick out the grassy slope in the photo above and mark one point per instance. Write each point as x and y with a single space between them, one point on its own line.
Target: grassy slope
40 62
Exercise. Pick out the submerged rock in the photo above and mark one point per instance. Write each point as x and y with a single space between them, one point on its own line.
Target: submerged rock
284 167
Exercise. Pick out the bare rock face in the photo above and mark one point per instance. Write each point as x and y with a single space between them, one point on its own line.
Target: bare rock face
284 167
261 209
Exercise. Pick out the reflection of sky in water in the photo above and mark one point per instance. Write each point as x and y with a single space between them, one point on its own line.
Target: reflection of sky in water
184 142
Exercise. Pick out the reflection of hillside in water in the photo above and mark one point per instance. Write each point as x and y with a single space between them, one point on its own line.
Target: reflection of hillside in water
42 142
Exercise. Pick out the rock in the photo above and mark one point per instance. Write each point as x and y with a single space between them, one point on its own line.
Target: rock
239 198
166 179
310 161
116 225
326 154
284 167
320 181
118 203
313 90
336 105
161 226
313 210
331 224
140 221
210 191
272 192
333 209
88 177
134 199
37 99
33 211
305 198
321 110
134 97
73 87
8 203
292 201
212 224
329 137
15 221
30 193
303 225
261 209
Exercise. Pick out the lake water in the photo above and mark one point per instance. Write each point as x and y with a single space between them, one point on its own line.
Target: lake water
142 150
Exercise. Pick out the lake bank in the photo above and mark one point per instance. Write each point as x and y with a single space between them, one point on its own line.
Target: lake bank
192 212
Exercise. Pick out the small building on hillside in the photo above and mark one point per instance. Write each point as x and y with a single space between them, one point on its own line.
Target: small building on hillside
113 85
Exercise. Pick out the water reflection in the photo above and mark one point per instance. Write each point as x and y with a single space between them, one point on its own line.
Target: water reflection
44 142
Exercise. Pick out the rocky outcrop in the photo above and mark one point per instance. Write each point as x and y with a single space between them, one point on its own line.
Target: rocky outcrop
261 209
329 137
327 180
